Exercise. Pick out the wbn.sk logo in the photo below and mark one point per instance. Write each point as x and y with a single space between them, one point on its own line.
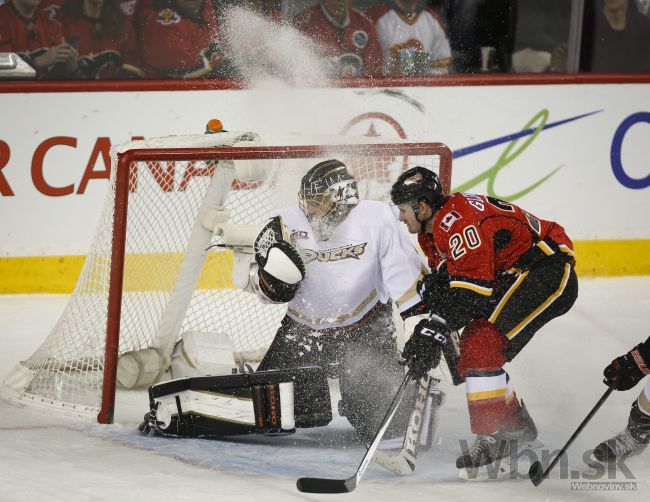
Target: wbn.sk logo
518 460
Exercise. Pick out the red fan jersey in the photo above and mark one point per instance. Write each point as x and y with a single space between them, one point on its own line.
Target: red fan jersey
175 45
480 237
352 46
83 33
27 36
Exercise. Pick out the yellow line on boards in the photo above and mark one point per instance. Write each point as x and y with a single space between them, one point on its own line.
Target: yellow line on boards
612 257
58 274
142 272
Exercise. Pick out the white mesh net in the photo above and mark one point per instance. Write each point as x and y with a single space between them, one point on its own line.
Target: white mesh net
172 282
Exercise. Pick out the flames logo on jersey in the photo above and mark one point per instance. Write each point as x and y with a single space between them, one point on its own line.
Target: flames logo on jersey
168 16
448 220
353 251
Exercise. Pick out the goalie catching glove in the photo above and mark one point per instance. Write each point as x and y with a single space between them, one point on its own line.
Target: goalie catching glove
423 350
280 265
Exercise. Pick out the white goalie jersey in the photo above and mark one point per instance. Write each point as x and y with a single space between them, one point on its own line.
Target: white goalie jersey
367 259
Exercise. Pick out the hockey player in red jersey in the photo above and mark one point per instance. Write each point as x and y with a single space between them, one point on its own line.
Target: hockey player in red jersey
104 37
623 373
347 37
29 30
179 38
412 38
502 274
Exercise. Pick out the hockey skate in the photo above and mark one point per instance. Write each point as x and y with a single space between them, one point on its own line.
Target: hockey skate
153 427
489 458
150 426
629 442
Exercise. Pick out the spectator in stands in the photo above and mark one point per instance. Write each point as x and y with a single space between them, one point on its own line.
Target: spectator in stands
270 9
615 38
179 39
542 28
643 7
128 7
347 37
480 27
28 30
412 38
103 36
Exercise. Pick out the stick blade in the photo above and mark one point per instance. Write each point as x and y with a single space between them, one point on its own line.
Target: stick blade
324 485
536 473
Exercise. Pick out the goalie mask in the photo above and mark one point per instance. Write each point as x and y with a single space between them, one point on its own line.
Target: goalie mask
327 195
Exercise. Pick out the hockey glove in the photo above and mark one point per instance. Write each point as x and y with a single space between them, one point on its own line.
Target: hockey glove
423 350
626 371
91 66
432 287
280 272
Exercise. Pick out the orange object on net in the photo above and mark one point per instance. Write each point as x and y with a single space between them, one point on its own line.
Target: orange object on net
214 125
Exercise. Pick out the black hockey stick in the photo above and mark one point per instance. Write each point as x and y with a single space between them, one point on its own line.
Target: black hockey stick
535 473
327 485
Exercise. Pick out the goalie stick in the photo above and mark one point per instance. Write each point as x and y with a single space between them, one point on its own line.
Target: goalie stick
425 413
421 428
328 485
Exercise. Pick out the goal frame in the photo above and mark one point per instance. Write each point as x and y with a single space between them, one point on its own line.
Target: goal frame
127 158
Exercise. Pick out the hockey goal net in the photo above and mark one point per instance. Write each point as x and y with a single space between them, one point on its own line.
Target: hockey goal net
153 271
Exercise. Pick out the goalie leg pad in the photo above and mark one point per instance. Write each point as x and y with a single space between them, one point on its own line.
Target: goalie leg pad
228 405
140 368
291 348
199 353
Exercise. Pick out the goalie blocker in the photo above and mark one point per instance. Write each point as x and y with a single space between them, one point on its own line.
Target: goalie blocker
218 406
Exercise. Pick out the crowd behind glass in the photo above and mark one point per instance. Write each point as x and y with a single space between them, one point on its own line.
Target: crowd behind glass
98 39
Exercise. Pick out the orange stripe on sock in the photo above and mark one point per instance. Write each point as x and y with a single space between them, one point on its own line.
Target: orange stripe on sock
486 394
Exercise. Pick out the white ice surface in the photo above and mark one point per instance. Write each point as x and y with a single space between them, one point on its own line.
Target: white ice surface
44 457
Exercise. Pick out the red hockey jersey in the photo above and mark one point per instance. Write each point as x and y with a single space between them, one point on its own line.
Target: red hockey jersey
353 47
174 45
27 36
83 33
480 237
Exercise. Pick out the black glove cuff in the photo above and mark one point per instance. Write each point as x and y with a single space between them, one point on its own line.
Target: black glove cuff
644 349
641 360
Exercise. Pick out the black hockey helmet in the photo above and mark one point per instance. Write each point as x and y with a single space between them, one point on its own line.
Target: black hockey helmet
416 184
327 194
